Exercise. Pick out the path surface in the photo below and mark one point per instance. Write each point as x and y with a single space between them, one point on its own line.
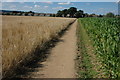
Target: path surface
61 62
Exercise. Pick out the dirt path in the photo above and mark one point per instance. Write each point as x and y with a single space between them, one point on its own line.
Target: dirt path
61 62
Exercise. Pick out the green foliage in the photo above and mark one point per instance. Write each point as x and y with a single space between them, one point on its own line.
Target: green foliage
65 12
72 12
59 13
105 34
79 14
85 66
110 14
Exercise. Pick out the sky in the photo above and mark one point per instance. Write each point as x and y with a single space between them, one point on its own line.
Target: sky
53 7
60 0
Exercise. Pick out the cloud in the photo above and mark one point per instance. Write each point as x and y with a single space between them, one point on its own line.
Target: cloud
45 6
12 9
36 6
118 2
58 7
14 1
27 7
10 0
12 6
64 3
88 4
48 2
21 2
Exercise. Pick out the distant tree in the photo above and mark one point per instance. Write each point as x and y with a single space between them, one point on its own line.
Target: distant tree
14 11
100 15
90 15
44 14
117 16
59 13
79 14
8 13
72 11
30 12
86 15
26 13
53 15
93 15
110 14
65 12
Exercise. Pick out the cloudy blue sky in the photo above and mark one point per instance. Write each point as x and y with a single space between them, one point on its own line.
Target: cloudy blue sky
60 0
53 7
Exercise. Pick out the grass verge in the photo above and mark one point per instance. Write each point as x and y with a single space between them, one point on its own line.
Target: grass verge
88 66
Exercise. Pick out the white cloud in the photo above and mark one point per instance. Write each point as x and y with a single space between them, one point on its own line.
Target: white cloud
10 0
80 9
58 7
64 3
14 1
36 6
25 0
27 6
21 2
12 6
118 1
48 2
61 0
46 6
88 4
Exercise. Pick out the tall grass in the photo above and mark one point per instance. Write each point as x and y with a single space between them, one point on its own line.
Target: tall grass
21 35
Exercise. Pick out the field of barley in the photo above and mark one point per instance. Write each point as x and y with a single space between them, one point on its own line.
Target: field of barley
21 35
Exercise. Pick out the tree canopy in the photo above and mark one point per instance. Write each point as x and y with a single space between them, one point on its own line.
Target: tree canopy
71 12
110 14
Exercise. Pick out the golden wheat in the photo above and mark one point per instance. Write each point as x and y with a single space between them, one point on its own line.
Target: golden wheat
20 36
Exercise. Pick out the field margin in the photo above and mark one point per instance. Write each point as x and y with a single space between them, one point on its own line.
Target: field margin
88 65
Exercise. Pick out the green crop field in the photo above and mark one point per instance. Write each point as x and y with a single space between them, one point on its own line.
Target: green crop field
105 35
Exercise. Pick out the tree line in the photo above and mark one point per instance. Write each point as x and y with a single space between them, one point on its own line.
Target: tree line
72 12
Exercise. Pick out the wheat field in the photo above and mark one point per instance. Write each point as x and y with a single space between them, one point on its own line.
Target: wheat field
21 35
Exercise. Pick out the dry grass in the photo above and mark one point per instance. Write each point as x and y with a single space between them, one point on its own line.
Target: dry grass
20 36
